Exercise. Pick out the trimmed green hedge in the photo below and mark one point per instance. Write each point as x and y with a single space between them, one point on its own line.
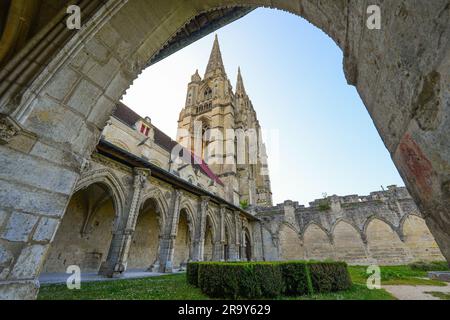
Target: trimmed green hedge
329 276
245 280
267 279
192 273
297 280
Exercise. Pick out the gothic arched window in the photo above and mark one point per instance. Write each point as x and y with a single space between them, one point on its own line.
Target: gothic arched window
208 93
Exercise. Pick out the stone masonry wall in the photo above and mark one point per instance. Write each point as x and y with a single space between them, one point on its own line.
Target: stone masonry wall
385 228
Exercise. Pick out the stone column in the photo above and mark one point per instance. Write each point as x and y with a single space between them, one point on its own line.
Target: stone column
243 247
199 241
218 251
234 247
35 188
167 241
116 262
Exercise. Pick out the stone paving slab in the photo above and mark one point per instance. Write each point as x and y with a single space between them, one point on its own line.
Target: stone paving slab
439 275
415 292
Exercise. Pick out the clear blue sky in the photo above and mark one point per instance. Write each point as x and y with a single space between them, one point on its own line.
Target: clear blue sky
293 73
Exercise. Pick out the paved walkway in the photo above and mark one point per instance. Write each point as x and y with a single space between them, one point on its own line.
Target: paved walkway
415 292
51 278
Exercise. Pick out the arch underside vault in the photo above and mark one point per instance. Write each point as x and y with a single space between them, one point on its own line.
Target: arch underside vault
85 233
58 92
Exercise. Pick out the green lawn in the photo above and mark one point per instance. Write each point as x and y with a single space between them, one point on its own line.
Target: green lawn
175 287
155 288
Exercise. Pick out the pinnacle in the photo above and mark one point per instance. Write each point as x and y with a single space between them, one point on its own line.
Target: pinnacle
240 83
215 60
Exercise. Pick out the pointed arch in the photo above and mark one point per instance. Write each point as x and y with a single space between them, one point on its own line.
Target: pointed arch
418 239
188 208
156 195
290 242
378 217
348 242
384 243
214 224
211 236
317 242
185 234
231 229
318 225
405 217
114 186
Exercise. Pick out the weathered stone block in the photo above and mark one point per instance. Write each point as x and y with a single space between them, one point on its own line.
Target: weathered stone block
62 84
46 229
102 74
115 89
3 216
31 199
97 50
19 290
48 152
84 97
5 256
19 227
48 177
101 112
50 120
29 263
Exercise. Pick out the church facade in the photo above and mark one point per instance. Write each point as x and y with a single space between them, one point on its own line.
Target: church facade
145 201
221 126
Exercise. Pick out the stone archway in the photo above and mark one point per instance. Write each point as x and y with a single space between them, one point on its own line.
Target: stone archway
226 244
84 236
247 252
210 239
348 244
52 119
290 245
144 247
317 243
419 240
384 244
183 240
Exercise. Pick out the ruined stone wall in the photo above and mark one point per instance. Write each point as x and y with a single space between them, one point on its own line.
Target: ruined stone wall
385 228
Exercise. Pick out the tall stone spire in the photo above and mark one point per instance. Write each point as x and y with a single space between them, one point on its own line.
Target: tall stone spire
215 60
240 90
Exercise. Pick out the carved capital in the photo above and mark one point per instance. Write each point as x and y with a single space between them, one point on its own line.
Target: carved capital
140 176
8 129
85 166
177 194
205 199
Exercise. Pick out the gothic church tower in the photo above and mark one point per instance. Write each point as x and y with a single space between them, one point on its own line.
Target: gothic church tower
228 133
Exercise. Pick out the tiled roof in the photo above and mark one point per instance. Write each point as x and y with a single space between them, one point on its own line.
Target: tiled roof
129 117
126 115
163 140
